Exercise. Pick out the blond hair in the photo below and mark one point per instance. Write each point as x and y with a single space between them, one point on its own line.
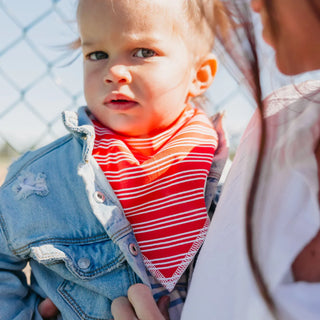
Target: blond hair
206 18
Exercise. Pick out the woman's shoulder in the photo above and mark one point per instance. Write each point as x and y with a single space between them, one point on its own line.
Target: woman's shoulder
297 95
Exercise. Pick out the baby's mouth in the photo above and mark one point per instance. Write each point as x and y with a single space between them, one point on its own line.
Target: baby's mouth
120 101
121 104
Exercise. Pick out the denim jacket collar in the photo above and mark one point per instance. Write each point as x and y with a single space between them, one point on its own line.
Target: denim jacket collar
80 125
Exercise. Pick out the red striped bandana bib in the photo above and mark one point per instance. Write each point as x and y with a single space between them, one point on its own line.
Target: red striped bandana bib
160 183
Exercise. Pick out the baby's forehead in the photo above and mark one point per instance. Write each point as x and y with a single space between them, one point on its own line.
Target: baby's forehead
139 10
134 15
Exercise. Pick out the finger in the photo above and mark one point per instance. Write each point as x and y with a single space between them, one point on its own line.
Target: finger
163 305
47 309
143 303
121 309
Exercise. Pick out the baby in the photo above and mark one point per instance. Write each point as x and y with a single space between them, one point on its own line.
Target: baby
120 200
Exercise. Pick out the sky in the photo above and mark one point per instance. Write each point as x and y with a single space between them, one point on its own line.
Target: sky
40 77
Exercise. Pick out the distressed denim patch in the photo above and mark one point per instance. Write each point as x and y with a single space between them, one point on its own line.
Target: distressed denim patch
28 183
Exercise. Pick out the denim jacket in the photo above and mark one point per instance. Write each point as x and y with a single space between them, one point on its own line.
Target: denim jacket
58 211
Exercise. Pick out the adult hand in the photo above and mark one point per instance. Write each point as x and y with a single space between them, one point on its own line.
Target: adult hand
140 305
47 309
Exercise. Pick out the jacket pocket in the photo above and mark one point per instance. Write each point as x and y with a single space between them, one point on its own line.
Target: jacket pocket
84 259
92 276
87 306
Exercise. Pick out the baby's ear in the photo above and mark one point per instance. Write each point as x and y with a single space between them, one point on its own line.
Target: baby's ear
204 75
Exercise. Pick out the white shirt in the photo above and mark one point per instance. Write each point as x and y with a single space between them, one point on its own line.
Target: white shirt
286 218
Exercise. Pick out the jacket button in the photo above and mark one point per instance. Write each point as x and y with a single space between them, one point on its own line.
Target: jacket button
99 197
133 249
83 263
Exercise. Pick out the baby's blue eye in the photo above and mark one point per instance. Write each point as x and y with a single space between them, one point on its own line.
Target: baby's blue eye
98 55
145 53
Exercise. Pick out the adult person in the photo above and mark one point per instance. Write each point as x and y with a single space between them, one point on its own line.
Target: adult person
261 257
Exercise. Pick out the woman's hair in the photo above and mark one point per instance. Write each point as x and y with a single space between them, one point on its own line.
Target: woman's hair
239 42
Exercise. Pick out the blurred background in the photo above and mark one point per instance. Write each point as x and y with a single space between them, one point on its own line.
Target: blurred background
40 77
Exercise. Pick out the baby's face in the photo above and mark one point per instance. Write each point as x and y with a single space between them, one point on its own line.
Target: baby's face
138 69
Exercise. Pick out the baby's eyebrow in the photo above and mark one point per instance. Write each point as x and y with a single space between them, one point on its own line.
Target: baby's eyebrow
133 38
87 43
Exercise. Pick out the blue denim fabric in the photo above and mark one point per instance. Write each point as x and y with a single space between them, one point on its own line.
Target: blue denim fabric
58 211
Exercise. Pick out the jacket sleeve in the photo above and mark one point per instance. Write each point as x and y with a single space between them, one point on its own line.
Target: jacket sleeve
17 300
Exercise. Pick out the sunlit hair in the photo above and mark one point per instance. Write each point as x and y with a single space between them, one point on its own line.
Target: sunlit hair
239 43
203 16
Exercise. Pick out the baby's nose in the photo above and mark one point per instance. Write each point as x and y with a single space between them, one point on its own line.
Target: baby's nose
118 74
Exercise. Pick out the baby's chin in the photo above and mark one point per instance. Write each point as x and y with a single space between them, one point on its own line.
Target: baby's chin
139 134
132 133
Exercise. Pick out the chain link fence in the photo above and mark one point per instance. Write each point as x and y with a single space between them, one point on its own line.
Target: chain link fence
40 77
